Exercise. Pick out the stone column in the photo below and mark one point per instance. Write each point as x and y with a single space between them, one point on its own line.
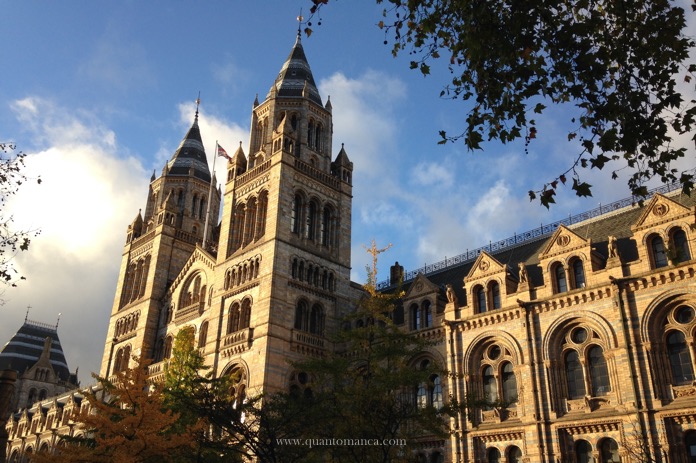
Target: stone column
7 386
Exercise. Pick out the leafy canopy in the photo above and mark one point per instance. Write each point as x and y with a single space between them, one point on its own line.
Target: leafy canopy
622 65
126 422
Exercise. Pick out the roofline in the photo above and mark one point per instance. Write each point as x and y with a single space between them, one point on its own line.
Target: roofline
544 231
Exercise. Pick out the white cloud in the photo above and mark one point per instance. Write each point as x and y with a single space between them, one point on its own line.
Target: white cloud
88 195
433 174
369 130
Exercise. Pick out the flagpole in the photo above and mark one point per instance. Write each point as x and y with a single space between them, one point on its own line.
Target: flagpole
210 199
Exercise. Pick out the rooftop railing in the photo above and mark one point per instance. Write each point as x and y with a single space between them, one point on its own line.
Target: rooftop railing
526 237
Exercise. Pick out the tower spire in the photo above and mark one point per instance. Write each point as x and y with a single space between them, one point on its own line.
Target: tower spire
300 18
198 103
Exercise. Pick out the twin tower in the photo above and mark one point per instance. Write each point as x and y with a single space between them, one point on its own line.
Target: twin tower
266 284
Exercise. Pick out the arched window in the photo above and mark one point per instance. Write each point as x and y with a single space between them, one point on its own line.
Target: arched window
250 212
427 315
578 273
415 317
494 295
490 389
574 376
583 452
493 455
480 298
436 392
327 226
514 454
201 208
301 316
681 246
609 451
310 134
421 396
168 347
233 318
245 315
679 358
659 255
194 205
312 213
599 374
316 320
509 384
296 214
560 279
318 137
42 394
260 228
32 397
238 229
159 350
690 443
203 335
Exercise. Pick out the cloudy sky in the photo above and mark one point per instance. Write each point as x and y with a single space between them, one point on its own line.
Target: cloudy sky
99 94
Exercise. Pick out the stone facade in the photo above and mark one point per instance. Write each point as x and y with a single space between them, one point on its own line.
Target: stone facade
580 335
583 338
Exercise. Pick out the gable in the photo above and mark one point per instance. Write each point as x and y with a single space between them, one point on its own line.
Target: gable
421 286
199 255
484 266
660 209
562 241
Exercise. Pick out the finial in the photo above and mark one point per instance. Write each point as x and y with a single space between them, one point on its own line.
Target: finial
58 321
26 317
300 18
198 103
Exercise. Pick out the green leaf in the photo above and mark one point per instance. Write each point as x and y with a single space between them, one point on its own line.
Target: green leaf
582 189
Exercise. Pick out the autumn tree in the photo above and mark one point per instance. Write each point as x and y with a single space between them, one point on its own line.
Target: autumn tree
126 422
623 68
12 241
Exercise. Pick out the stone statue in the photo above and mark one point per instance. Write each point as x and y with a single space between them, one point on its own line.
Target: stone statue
451 296
522 272
613 252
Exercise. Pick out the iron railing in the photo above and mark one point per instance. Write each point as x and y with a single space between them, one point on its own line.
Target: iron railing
526 237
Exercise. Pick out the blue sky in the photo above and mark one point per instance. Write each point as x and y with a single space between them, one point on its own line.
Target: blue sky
100 94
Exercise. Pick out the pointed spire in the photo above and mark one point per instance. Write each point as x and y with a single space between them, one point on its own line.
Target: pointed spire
256 100
239 160
328 105
189 157
152 179
294 76
342 158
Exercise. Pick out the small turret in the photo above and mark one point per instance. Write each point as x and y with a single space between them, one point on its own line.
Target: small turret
342 167
239 161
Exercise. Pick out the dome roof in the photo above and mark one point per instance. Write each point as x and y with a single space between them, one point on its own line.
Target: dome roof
26 346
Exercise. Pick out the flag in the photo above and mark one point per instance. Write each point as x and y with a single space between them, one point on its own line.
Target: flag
223 153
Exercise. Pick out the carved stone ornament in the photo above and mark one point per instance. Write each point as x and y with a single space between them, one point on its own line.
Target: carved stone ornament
485 265
660 209
563 240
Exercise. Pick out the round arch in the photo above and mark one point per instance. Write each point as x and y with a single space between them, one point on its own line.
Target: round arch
552 341
650 330
481 342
